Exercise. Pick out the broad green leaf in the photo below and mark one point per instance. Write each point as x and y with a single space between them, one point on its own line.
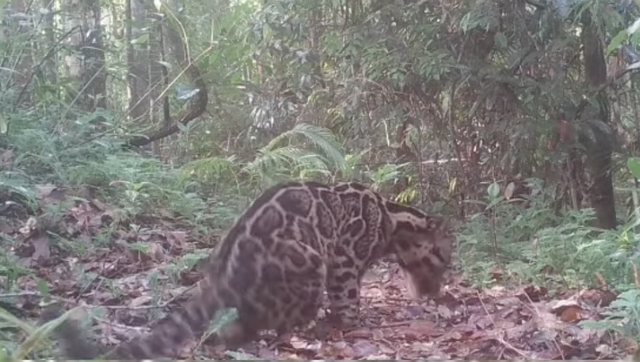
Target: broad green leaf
493 190
623 35
633 164
617 41
142 39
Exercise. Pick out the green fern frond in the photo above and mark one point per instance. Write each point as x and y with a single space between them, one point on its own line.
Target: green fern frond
211 168
284 157
321 137
274 159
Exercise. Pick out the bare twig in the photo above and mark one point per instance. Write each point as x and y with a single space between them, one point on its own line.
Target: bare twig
513 348
35 294
499 338
538 314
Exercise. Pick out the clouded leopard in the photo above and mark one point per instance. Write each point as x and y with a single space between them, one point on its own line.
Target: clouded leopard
294 242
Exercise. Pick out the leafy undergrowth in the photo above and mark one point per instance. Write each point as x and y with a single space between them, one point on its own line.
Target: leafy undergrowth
144 270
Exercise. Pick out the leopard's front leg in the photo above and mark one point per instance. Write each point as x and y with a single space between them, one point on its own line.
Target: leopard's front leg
343 288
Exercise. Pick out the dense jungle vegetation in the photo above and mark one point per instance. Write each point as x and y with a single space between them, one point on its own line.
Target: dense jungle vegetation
133 133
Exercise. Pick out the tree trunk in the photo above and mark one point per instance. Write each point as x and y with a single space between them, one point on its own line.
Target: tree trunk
599 148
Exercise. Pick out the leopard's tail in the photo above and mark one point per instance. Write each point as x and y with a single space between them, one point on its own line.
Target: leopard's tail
172 332
164 341
70 335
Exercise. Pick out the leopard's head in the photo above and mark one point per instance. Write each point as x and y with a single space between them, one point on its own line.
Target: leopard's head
424 250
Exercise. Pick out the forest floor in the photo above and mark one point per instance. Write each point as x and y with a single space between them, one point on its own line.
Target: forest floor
128 283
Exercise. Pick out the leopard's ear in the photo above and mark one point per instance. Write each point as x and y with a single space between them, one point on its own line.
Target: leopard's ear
69 334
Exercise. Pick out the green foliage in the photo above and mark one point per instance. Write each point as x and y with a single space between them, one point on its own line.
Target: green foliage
633 164
213 171
9 323
10 269
336 91
622 316
304 152
75 160
536 244
386 174
281 158
13 188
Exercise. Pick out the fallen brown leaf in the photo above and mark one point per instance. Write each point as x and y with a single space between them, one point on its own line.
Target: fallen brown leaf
41 252
362 348
141 300
572 315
